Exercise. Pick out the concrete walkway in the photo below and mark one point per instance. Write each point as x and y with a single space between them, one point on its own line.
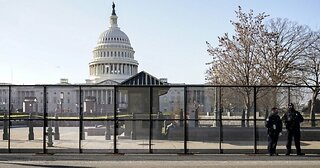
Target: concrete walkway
157 161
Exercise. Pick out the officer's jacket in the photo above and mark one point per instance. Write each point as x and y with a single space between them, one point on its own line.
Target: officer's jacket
292 120
274 124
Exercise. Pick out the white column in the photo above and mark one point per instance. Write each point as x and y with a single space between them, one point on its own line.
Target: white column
119 97
111 96
103 97
123 69
111 68
117 68
128 69
106 96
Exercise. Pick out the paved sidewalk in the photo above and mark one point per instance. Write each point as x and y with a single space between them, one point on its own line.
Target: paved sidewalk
157 161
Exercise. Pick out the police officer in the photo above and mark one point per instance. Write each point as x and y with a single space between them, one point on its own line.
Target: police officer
274 125
292 120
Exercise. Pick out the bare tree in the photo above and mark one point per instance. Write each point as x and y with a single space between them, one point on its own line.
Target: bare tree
235 59
309 72
281 47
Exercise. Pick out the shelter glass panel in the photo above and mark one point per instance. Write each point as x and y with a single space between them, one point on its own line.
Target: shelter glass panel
167 119
237 108
133 119
202 128
26 117
98 119
63 119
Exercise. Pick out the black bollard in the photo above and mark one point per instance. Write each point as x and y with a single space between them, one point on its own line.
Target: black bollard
5 135
181 118
83 135
30 124
107 133
133 129
49 135
196 118
56 128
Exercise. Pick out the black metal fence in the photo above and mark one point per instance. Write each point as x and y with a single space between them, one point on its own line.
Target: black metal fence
148 119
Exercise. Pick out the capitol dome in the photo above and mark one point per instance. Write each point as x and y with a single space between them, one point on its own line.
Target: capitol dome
113 56
113 35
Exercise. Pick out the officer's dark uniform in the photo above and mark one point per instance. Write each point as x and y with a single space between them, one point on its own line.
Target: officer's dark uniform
292 120
274 125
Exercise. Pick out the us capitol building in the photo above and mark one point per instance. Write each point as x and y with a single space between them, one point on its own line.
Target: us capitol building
113 57
113 63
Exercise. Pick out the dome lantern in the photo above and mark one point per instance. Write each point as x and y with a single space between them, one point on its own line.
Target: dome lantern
113 17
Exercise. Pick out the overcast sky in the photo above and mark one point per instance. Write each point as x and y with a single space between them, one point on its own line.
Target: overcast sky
42 41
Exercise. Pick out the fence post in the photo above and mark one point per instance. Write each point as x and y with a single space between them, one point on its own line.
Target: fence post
185 120
81 127
150 117
45 119
9 125
220 122
115 123
255 118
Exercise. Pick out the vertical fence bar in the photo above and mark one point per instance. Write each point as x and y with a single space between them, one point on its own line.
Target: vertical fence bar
255 119
185 121
220 121
115 122
9 118
45 119
150 117
81 130
289 95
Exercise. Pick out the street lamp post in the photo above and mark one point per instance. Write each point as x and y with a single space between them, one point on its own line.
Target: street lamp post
56 127
5 135
30 124
61 101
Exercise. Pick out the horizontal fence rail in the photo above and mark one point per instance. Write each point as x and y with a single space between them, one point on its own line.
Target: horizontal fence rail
149 119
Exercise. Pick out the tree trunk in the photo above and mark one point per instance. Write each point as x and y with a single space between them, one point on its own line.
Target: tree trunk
248 109
274 97
312 108
243 118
